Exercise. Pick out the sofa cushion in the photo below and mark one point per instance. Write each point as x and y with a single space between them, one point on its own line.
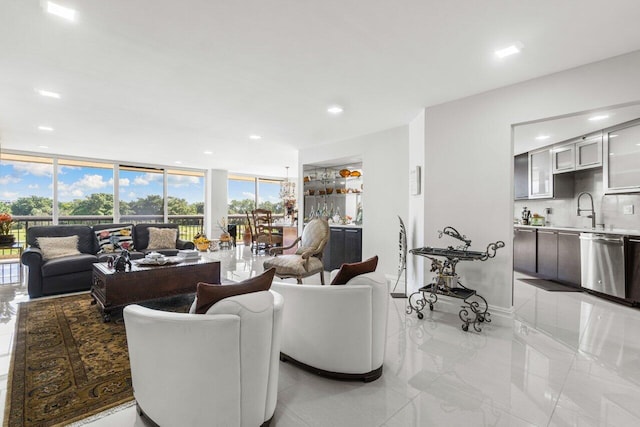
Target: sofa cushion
114 237
141 234
68 265
86 238
349 271
162 238
56 247
209 294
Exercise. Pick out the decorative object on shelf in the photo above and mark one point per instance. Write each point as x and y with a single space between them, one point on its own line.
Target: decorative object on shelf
344 173
201 241
475 308
355 174
402 261
6 222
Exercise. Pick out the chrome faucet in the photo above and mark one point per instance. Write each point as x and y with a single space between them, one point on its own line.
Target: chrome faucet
592 210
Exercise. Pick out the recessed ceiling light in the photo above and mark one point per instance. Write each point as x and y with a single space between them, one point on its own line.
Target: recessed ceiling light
48 93
542 137
335 109
256 137
61 11
615 135
43 146
509 50
178 162
47 128
208 152
600 117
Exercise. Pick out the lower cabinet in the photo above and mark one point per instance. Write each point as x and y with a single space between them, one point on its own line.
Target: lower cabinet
569 258
524 250
345 245
548 254
632 267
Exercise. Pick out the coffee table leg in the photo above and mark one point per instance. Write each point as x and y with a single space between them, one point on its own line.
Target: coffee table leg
106 316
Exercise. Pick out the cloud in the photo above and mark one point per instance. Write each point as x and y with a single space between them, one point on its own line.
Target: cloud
124 182
86 184
33 186
62 169
132 195
35 169
248 195
147 178
8 195
182 180
8 179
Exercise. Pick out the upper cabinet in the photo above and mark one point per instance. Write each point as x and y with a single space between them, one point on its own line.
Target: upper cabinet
622 158
521 176
582 153
540 176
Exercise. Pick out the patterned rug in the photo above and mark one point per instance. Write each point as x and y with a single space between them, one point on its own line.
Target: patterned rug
67 364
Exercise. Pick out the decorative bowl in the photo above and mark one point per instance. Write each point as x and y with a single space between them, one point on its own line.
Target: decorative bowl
344 173
355 173
329 190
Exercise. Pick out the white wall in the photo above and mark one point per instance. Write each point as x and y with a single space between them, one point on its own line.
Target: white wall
415 222
468 158
385 176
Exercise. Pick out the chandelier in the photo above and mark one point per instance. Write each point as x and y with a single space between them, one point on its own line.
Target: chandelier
288 189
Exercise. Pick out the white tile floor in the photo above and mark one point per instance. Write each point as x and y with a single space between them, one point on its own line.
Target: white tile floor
565 359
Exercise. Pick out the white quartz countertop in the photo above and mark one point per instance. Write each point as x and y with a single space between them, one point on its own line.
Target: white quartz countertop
619 231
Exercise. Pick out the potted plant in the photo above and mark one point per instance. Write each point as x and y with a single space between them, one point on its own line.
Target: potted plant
225 236
201 241
6 222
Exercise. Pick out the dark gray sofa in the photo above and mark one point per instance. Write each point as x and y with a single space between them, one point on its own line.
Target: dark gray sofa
74 273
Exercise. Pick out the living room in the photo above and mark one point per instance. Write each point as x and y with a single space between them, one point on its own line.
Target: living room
143 90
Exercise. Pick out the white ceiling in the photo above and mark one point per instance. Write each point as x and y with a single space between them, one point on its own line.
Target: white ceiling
156 81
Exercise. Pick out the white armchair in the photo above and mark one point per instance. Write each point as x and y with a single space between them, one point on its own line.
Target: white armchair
336 331
219 368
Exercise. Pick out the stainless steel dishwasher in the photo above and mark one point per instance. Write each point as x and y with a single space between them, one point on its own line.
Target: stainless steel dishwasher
602 263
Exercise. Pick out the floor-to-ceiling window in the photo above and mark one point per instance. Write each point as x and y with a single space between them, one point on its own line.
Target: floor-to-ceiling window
85 191
141 194
185 201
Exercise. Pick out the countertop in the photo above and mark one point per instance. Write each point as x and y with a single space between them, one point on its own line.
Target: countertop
619 231
344 226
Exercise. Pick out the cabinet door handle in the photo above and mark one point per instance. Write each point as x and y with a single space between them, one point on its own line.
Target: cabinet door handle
520 230
547 232
634 240
565 234
351 231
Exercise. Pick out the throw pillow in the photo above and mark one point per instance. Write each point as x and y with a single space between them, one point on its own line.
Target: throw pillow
209 294
162 238
115 239
58 247
349 271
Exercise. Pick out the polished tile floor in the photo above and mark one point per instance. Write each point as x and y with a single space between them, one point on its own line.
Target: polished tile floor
565 359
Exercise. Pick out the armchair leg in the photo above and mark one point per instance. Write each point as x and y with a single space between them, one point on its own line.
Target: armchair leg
322 277
299 280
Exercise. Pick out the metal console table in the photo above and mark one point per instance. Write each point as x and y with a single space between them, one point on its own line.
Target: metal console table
475 308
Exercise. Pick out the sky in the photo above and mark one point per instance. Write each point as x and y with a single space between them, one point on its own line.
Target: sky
240 190
23 179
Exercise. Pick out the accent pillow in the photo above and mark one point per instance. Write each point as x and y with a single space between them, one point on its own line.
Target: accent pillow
349 271
209 294
115 239
162 238
58 247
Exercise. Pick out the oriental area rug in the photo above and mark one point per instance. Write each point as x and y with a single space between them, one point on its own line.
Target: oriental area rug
66 363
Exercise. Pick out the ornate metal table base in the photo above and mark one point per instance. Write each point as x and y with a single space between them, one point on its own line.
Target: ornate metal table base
474 310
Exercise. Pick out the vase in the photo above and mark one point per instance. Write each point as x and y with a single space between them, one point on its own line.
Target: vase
7 239
225 237
202 246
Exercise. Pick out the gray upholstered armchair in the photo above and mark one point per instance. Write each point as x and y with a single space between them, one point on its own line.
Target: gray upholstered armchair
307 260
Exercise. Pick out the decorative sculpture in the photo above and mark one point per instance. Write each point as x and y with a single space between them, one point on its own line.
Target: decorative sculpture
122 262
402 261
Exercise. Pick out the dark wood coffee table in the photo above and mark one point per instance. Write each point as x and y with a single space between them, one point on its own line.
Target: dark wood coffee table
113 289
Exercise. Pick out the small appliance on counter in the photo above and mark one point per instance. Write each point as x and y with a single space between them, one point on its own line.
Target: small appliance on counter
536 220
526 216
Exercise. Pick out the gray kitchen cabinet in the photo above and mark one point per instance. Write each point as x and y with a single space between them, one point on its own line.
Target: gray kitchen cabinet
589 151
632 267
547 254
622 158
540 176
569 258
524 250
345 245
564 158
521 176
